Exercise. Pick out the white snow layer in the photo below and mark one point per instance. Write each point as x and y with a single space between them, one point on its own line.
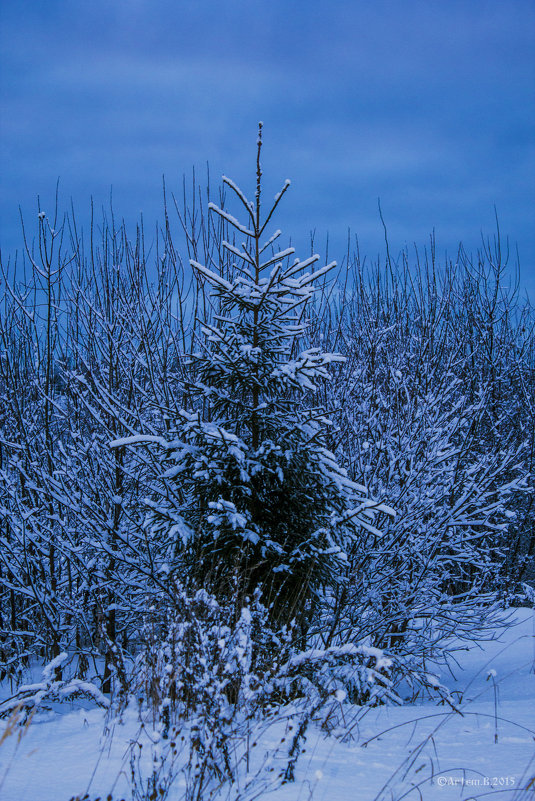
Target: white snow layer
485 750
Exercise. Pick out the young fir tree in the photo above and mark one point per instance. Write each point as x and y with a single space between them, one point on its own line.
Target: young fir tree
258 502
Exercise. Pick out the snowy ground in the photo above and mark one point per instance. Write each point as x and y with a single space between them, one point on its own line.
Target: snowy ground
416 751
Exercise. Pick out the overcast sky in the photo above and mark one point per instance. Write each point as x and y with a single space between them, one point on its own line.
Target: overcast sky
427 105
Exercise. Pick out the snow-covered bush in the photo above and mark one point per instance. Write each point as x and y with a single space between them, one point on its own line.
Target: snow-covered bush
73 375
196 653
31 698
426 426
208 684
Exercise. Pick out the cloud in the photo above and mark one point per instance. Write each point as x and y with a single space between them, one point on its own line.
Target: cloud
424 104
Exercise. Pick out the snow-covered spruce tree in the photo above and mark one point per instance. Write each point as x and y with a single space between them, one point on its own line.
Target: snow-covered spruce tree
253 499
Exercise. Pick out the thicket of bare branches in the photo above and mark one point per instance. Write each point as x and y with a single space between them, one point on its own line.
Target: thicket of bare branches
434 414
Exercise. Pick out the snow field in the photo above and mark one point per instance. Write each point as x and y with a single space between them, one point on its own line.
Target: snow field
487 749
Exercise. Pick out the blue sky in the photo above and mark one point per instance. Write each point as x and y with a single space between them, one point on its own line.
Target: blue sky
427 105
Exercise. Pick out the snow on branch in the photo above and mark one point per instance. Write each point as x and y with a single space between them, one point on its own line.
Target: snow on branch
212 277
282 254
286 186
278 198
235 188
301 265
241 254
30 697
308 279
138 439
230 219
270 241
